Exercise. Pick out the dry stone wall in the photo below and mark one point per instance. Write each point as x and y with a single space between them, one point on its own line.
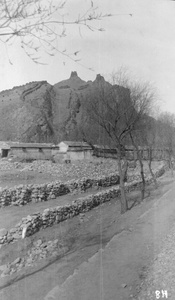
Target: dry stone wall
23 194
33 223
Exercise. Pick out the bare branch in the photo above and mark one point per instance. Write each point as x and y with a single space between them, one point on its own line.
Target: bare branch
43 23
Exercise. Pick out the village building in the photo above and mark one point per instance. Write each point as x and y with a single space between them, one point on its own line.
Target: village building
104 151
4 149
64 151
131 153
110 152
70 150
67 151
27 151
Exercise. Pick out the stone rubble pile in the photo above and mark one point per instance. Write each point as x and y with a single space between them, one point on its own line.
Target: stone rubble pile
62 171
78 169
50 216
72 171
6 165
40 250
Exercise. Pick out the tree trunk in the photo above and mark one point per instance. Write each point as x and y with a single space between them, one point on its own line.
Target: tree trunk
150 168
143 178
152 174
123 200
125 169
139 156
171 165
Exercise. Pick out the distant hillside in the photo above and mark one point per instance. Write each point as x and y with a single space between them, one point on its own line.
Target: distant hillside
40 112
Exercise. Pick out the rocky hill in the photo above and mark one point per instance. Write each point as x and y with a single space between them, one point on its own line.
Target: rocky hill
40 112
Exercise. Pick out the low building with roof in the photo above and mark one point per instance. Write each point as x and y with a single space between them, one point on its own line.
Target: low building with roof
71 150
27 151
104 151
4 149
131 153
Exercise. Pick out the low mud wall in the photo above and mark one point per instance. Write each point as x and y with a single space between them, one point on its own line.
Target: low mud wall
33 223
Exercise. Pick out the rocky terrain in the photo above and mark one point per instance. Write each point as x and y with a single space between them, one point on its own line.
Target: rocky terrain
39 251
41 220
40 112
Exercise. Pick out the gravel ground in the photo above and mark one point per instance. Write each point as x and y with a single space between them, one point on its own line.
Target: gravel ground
160 280
77 169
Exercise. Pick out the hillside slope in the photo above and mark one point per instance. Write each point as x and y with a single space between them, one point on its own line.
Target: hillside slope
40 112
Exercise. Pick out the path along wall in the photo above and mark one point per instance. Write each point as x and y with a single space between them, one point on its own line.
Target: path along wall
33 223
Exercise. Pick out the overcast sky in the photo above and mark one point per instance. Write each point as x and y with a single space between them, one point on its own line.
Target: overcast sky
144 43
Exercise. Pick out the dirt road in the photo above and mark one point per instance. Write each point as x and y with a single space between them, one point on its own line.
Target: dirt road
106 254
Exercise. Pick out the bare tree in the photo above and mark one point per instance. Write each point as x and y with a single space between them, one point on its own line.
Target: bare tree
150 140
112 108
142 96
40 24
167 133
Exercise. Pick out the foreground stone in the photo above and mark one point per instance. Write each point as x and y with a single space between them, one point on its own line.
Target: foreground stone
40 250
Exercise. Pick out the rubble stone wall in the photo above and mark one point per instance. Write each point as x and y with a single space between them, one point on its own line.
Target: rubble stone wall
23 194
31 224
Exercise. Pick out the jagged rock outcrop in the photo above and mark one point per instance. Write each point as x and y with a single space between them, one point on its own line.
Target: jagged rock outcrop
26 113
40 112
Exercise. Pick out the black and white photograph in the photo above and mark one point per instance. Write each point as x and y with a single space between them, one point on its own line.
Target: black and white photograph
87 149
